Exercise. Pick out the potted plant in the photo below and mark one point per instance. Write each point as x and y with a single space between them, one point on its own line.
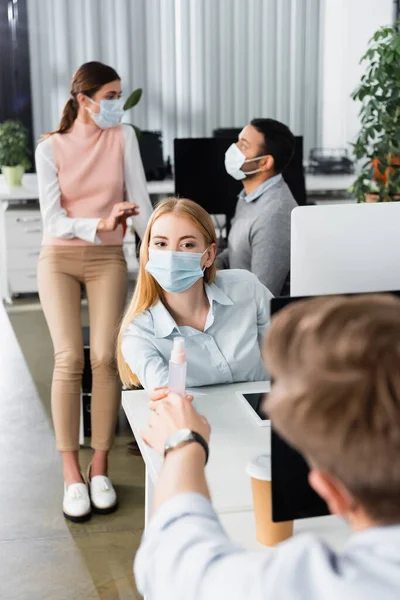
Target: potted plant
130 102
378 143
14 151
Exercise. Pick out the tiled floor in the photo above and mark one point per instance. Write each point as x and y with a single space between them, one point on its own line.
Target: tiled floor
43 557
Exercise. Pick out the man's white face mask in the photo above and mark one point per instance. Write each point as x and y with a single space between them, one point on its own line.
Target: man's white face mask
234 161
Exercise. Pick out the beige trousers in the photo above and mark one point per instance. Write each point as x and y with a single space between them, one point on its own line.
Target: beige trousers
61 271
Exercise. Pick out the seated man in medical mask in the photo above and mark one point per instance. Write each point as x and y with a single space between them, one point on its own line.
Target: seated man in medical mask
259 239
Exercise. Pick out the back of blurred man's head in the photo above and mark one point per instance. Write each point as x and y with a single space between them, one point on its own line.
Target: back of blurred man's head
336 393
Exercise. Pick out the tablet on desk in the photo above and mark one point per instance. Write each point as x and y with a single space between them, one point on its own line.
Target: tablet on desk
255 402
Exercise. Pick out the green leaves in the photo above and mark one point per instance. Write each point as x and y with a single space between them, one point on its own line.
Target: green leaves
133 99
137 131
381 168
379 96
14 144
130 102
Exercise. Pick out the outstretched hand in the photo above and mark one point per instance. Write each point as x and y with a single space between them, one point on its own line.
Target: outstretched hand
160 394
119 213
170 413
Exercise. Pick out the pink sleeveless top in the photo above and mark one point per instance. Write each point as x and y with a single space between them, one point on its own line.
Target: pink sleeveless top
90 163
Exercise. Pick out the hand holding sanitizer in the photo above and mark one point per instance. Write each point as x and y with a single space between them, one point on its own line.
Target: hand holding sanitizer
177 367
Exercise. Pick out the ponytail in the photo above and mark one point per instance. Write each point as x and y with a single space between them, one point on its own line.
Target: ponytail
69 114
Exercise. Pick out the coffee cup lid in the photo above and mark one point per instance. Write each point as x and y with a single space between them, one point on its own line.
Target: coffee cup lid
260 468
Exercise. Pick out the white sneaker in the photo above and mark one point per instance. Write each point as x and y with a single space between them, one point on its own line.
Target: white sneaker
76 503
103 495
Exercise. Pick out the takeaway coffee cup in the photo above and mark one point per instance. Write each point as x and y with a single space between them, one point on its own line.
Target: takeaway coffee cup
268 533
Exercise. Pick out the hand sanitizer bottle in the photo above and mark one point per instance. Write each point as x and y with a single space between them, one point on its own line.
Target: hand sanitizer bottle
177 367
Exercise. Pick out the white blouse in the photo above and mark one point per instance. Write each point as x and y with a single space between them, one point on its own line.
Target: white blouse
55 219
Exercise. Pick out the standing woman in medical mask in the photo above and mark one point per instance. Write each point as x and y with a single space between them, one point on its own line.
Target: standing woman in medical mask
85 168
222 316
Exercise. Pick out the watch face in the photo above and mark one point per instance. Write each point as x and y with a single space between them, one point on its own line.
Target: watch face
180 436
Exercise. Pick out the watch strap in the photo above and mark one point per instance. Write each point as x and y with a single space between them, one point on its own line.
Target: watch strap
192 437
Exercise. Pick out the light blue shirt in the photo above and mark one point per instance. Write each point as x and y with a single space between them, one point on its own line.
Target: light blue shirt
186 554
227 351
261 189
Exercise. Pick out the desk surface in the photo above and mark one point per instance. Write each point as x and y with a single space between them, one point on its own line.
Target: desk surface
314 184
160 188
30 191
235 440
328 183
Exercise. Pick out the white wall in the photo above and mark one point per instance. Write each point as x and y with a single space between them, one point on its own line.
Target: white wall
347 25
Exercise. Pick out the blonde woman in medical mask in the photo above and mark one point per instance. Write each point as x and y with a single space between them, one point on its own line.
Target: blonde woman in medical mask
222 316
84 169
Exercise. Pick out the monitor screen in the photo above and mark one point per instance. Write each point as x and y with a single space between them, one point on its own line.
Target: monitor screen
292 495
294 174
347 248
200 172
151 152
257 401
201 176
227 132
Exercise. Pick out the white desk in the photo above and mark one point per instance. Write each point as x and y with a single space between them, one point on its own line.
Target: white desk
314 184
318 184
30 190
235 440
165 187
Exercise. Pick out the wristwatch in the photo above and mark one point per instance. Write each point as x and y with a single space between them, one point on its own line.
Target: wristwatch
183 437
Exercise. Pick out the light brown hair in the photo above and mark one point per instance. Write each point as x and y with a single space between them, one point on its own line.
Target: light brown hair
336 392
147 291
88 79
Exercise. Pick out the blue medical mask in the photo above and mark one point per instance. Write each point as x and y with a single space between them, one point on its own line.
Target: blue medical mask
175 271
234 161
110 115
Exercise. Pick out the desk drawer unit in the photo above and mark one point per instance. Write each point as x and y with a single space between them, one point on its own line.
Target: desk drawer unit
24 237
23 259
24 228
23 282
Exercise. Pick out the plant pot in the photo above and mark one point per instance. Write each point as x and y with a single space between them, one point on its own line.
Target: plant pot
13 175
370 198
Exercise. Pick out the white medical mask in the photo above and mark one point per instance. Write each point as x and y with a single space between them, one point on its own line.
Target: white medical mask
175 271
234 161
110 115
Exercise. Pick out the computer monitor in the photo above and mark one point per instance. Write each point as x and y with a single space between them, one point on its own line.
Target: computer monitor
345 249
294 172
151 152
201 176
292 496
227 132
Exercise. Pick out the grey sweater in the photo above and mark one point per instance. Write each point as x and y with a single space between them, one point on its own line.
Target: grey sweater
259 239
